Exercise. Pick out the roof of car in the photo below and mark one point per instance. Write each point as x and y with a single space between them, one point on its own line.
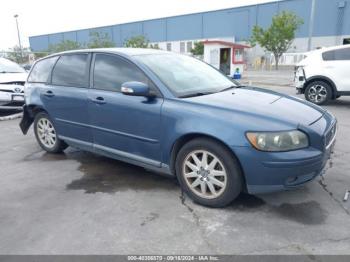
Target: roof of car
125 51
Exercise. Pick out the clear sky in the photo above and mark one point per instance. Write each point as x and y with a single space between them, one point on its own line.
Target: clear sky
47 16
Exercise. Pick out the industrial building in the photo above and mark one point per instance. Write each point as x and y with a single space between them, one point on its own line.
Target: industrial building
331 26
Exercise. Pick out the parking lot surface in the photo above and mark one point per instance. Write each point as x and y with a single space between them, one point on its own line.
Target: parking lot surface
81 203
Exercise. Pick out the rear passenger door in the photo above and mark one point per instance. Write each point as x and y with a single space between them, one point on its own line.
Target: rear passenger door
66 97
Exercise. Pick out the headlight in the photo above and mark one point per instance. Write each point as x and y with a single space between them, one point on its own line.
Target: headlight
278 141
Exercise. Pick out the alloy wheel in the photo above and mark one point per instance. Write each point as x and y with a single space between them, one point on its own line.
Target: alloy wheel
46 133
204 174
317 93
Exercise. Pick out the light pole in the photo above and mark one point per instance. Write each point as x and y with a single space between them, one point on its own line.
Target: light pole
19 37
311 25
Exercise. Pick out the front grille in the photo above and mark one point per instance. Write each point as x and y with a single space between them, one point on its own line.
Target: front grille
20 83
330 135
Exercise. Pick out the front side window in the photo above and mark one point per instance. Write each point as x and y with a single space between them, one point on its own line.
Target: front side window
110 72
41 70
71 70
339 54
185 75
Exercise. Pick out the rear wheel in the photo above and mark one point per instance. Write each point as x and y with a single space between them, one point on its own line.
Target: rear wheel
46 134
208 173
318 92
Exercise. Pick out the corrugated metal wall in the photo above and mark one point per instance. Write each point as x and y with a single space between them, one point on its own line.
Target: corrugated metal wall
236 22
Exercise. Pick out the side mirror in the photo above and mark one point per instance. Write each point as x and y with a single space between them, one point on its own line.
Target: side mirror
135 89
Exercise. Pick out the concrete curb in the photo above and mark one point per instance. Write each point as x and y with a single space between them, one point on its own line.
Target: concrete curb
11 117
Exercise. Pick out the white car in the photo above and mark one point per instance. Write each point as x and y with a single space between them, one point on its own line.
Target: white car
12 79
324 74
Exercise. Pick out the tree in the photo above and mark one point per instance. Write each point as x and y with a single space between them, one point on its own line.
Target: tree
17 55
100 40
198 49
278 38
139 41
65 45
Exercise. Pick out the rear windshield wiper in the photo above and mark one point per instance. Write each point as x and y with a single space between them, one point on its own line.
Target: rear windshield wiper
196 94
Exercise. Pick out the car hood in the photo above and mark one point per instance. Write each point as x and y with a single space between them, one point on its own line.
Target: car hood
13 77
264 103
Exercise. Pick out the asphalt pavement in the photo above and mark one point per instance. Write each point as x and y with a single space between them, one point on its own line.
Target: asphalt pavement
81 203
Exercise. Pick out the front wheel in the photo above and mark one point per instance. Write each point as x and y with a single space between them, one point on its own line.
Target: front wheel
46 134
208 173
318 92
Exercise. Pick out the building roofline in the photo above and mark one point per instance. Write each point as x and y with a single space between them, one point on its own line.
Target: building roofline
230 44
165 17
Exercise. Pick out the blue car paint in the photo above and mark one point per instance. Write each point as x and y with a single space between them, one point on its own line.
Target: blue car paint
143 131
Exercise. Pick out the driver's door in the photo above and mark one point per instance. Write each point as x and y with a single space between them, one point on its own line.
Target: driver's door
128 126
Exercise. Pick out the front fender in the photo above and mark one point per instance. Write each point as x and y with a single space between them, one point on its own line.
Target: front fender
183 119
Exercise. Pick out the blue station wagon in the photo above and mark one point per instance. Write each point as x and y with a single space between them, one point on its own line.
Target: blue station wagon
177 115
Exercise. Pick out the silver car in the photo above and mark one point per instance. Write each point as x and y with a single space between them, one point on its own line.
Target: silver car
12 79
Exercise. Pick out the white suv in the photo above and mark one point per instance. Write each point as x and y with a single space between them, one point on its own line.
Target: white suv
324 74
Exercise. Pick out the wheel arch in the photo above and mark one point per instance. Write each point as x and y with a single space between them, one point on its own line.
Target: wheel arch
35 109
324 79
182 140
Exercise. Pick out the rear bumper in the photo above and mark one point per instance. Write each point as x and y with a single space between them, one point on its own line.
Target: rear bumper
269 172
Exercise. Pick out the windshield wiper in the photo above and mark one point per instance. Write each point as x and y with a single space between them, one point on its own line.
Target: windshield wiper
231 87
7 72
196 94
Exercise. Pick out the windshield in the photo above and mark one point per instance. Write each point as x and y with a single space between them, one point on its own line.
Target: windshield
186 76
7 66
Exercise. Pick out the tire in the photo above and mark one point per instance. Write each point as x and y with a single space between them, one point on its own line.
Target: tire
226 170
46 134
318 92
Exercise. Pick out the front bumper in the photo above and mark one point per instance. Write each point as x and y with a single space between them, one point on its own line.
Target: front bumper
275 171
281 171
11 101
299 80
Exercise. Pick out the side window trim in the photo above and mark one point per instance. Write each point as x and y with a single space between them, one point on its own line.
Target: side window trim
92 69
87 69
50 75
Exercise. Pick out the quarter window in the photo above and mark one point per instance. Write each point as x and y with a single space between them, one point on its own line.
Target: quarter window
71 70
110 72
41 70
339 54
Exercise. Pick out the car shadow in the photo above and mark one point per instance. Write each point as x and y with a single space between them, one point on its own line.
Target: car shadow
105 175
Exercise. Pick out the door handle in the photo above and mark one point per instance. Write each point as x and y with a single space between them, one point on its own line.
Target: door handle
49 93
98 100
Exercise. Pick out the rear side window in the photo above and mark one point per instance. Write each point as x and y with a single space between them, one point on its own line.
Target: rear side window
42 69
110 72
340 54
71 70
